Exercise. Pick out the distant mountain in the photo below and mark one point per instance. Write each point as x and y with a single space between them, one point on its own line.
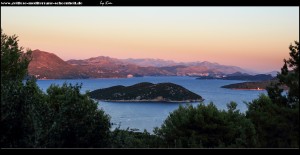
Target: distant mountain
46 65
217 68
111 65
150 62
191 68
241 76
146 92
237 74
273 73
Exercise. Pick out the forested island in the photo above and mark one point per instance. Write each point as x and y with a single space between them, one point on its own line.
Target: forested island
146 92
260 85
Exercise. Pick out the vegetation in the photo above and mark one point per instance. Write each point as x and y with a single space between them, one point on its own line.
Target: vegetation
276 116
206 126
14 63
63 117
30 118
130 139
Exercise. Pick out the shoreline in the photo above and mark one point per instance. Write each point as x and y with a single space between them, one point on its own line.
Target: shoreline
152 101
259 89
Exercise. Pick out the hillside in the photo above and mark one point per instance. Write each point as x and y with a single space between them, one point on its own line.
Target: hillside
187 68
146 92
46 65
150 62
107 65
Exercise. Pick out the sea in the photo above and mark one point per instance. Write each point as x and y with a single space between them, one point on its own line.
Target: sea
146 116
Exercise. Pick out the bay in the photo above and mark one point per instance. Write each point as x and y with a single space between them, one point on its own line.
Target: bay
149 115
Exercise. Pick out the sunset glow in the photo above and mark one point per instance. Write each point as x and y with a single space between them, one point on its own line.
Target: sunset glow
255 38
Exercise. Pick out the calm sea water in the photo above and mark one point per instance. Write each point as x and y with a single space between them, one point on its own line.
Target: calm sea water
149 115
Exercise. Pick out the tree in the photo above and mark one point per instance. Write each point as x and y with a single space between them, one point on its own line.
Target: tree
14 63
75 120
131 139
289 77
206 126
30 118
276 116
275 125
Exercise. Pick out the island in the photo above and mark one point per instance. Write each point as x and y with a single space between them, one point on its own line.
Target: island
146 92
260 85
238 76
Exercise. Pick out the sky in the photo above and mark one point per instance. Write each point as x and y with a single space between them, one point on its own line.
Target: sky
255 38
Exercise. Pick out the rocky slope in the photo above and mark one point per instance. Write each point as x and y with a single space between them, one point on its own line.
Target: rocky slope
46 65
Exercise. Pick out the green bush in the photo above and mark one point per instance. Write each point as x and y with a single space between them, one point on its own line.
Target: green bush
206 126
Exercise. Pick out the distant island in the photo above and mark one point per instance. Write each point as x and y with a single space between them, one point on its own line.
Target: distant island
240 76
259 85
146 92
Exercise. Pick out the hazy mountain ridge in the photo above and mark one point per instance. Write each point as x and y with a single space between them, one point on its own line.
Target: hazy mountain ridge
151 62
46 65
190 68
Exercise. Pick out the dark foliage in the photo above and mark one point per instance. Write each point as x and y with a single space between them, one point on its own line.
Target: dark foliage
276 117
129 138
206 126
30 118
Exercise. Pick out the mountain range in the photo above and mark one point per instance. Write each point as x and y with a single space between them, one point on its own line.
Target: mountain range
146 92
45 65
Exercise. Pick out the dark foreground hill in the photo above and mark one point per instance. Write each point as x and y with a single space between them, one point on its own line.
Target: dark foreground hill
146 92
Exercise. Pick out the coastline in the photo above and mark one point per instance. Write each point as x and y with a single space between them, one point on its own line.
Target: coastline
152 101
259 89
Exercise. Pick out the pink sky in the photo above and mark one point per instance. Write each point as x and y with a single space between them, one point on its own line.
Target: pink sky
254 38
